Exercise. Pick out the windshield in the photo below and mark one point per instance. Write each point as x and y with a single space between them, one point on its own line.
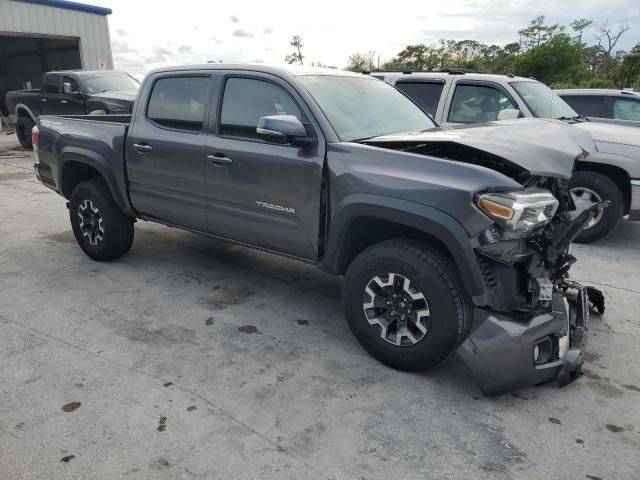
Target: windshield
360 107
108 82
542 101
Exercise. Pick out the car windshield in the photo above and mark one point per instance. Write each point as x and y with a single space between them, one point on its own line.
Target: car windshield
108 82
359 108
542 101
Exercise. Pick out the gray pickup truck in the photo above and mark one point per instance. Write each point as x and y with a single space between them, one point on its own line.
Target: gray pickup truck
612 173
448 239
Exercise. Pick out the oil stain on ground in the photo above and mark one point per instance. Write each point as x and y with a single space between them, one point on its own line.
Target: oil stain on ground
248 329
67 459
225 297
70 407
162 424
614 428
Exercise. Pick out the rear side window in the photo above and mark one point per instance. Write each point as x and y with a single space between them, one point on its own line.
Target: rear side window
427 95
246 100
52 84
477 103
626 109
179 102
587 105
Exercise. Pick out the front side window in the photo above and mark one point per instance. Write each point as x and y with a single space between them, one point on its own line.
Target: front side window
179 102
477 103
542 101
75 88
626 109
587 105
359 108
52 84
425 94
246 100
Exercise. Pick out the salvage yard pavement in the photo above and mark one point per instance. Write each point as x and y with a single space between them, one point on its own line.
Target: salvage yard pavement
190 358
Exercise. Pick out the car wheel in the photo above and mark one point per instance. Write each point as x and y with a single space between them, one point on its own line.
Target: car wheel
589 188
101 229
405 304
23 131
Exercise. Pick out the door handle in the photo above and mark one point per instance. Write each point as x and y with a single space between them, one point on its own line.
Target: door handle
219 159
63 101
43 99
142 148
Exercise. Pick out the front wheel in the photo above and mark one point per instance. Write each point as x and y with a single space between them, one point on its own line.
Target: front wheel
588 188
405 304
101 229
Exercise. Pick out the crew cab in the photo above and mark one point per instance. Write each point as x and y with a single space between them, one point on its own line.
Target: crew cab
449 239
611 174
74 92
621 107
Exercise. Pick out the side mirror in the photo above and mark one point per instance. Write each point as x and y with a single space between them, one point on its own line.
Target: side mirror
283 129
509 114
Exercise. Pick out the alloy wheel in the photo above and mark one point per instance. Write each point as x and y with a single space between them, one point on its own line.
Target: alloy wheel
585 198
91 222
396 309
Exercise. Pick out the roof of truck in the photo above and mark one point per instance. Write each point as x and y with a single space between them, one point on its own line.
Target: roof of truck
294 70
596 91
446 73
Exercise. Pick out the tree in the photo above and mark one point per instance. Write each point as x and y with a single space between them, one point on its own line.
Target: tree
558 60
296 56
361 62
538 33
608 38
628 75
580 26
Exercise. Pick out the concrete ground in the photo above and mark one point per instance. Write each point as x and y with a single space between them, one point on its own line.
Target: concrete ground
193 359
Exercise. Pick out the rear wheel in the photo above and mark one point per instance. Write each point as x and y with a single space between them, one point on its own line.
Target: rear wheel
405 304
101 229
588 188
23 131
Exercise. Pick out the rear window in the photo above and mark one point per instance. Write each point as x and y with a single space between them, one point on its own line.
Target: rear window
179 102
52 83
626 109
587 105
425 94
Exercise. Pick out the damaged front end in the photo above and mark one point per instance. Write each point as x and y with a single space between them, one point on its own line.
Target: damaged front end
531 323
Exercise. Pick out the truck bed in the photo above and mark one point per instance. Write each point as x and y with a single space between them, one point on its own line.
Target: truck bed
98 140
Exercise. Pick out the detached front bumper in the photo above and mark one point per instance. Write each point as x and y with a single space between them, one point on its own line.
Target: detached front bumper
634 211
501 351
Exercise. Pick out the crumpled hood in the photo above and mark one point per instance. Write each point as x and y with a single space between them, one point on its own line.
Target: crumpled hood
541 147
122 95
611 133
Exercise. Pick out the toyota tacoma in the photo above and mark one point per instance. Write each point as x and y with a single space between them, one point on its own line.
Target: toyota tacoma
450 239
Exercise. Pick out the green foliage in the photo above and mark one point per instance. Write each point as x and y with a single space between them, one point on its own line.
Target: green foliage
559 59
545 52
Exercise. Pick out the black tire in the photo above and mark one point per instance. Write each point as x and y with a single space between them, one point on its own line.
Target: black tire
435 275
23 131
116 227
606 189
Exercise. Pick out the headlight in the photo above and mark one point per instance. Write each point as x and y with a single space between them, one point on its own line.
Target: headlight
519 211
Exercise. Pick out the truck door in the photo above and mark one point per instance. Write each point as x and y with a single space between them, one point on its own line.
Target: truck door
477 101
71 103
50 93
165 149
260 193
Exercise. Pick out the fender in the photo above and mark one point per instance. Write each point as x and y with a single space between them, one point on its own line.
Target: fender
22 106
414 215
630 165
116 184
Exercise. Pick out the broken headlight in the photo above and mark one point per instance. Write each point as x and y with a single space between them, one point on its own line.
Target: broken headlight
519 211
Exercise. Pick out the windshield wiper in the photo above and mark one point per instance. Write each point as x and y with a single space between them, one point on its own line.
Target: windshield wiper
364 139
576 118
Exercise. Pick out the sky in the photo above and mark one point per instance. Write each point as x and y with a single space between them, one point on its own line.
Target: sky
146 35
